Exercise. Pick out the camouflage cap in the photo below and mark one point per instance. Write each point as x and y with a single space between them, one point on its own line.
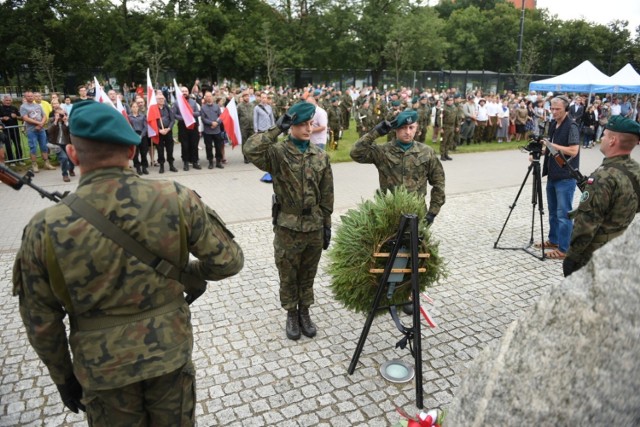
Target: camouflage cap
407 117
303 111
617 124
101 123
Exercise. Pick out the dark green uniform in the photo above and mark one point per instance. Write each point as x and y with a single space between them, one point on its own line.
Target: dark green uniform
364 119
413 168
346 103
424 120
245 116
456 135
129 324
450 119
334 119
608 205
303 184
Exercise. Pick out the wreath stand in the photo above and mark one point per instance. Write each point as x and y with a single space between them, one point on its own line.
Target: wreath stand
404 250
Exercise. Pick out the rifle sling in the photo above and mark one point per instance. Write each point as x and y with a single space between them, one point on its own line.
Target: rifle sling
117 235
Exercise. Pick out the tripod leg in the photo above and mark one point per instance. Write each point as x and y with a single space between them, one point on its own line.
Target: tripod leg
540 208
376 302
415 288
524 181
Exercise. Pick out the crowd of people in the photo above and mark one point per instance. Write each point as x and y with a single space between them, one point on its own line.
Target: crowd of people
454 118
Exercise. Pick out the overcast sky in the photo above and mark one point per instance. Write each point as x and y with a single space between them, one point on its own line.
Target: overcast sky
600 11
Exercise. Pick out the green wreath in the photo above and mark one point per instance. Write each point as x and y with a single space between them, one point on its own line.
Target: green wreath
363 231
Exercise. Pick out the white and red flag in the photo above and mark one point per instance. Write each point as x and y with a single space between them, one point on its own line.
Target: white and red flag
121 108
153 112
100 96
231 123
185 109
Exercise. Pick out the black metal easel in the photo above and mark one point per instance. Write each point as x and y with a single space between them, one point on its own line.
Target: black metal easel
536 199
410 222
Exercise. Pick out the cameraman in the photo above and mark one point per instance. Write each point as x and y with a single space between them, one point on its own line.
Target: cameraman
564 136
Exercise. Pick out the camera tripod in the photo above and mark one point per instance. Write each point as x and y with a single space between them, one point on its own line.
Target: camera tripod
536 199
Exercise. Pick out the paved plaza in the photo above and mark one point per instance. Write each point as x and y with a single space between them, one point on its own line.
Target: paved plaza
248 373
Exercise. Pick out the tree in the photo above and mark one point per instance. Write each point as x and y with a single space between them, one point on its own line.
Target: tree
44 65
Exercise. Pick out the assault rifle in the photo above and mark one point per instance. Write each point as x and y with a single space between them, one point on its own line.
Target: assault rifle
16 182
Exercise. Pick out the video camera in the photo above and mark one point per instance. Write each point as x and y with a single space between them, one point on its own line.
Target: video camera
534 147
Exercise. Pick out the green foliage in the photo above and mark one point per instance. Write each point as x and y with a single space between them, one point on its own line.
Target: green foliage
362 230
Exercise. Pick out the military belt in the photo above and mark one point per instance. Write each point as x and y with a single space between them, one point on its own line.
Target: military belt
604 238
85 324
296 211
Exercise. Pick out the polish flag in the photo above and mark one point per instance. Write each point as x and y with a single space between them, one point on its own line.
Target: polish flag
185 109
121 108
100 95
231 123
153 112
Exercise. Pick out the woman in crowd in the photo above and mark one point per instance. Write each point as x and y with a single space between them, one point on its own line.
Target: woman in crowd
539 118
503 122
138 122
521 119
589 123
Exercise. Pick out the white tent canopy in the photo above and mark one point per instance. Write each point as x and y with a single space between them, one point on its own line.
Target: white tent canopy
583 78
627 80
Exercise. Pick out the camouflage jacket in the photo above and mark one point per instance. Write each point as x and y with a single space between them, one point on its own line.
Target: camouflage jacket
365 119
450 116
607 207
424 116
334 118
66 266
300 180
414 168
245 115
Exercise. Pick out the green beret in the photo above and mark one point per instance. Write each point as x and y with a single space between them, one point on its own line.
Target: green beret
303 111
99 122
414 99
395 103
407 117
335 99
617 124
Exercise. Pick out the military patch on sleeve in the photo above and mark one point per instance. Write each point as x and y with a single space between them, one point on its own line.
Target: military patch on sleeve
584 197
591 180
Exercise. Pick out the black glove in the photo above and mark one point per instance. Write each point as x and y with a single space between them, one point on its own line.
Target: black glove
383 128
326 237
569 266
285 121
429 218
71 393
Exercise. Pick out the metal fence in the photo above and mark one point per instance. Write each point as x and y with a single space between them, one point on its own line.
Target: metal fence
16 144
465 80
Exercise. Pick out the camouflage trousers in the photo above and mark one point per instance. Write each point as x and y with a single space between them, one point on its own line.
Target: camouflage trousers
447 140
297 255
168 400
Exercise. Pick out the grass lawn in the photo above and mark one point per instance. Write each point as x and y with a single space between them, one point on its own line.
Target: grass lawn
350 136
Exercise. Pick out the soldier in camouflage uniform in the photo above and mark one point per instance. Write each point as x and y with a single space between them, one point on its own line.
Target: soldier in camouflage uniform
611 195
346 103
402 161
364 119
424 118
303 186
245 116
334 117
450 117
130 328
456 135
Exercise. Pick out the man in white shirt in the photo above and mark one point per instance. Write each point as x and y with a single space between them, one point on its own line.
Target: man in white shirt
320 121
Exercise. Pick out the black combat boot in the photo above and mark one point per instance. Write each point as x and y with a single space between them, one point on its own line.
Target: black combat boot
161 168
447 157
172 168
293 325
210 164
307 327
186 167
219 164
197 166
138 170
